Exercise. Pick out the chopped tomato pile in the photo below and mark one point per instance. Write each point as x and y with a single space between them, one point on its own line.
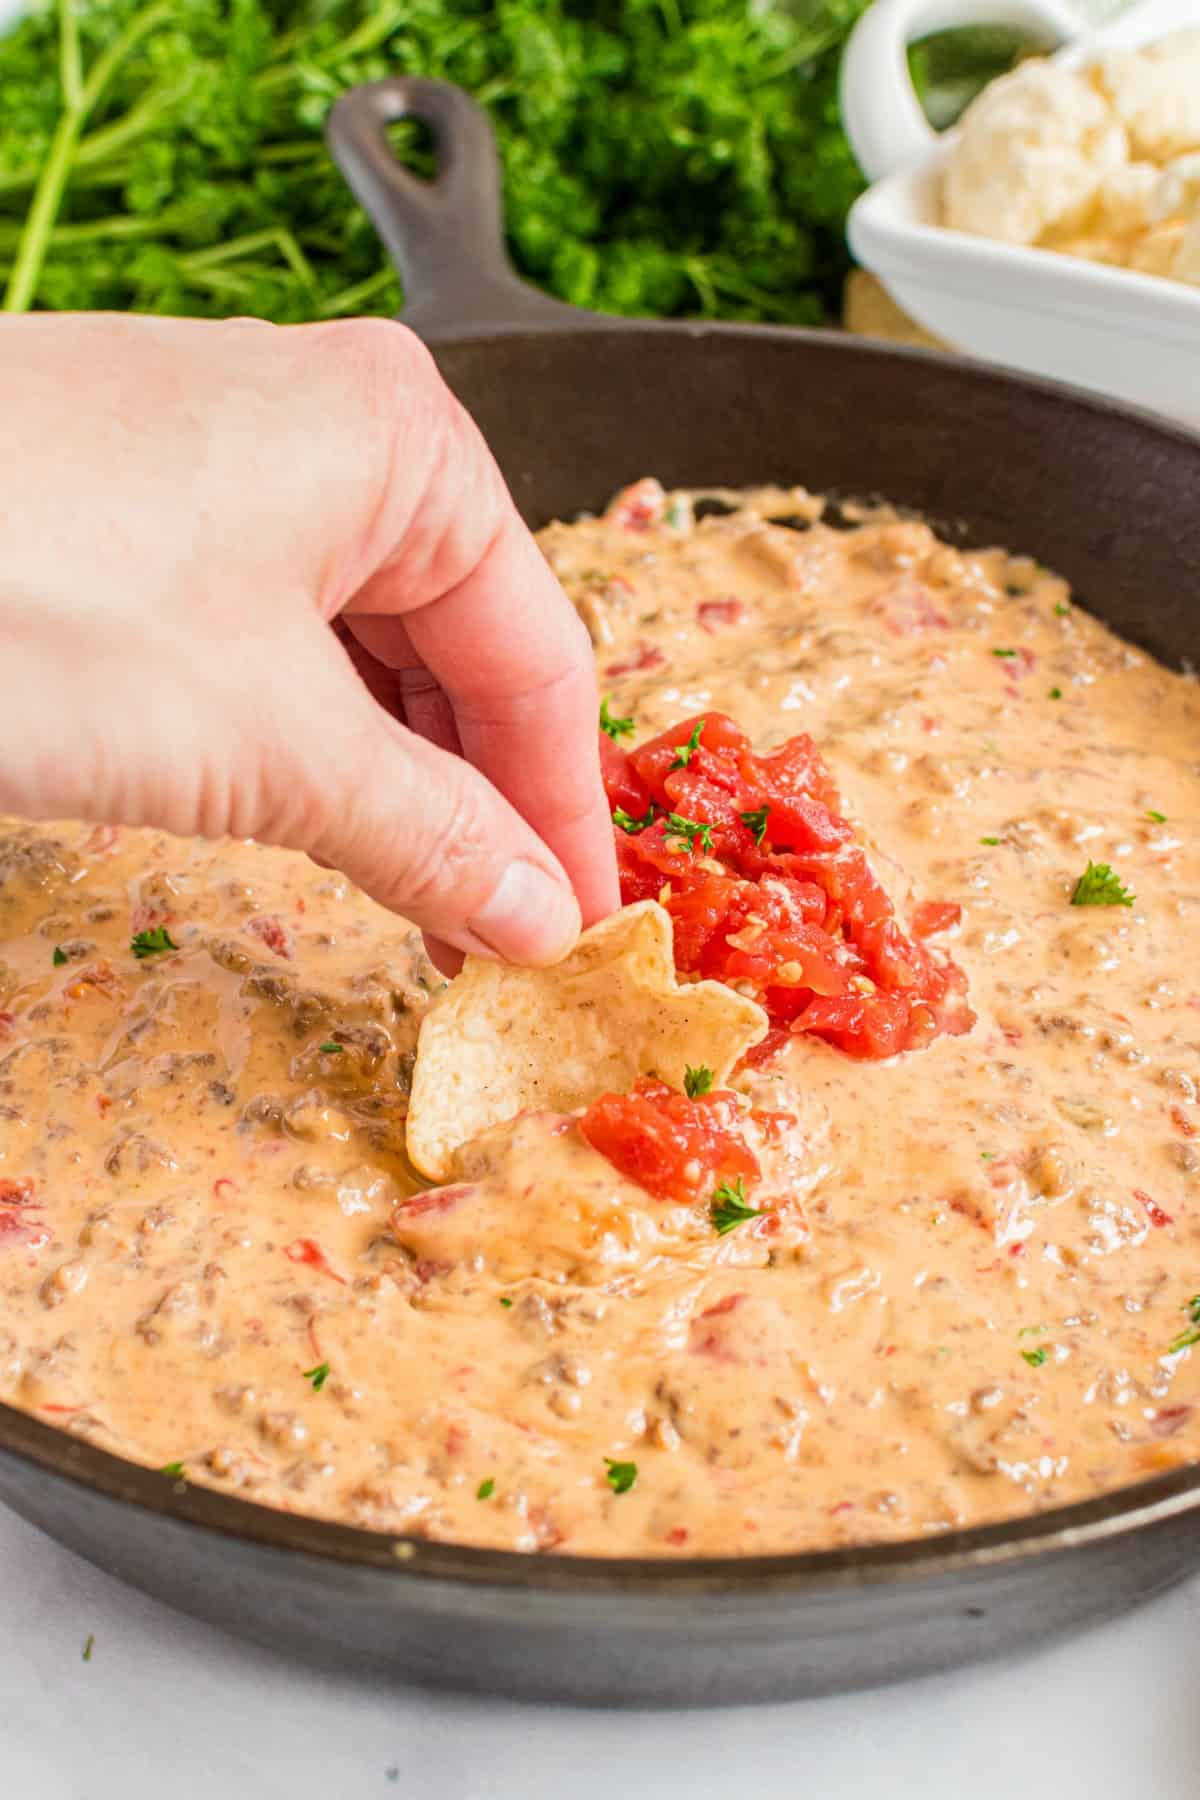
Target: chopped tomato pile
769 891
671 1145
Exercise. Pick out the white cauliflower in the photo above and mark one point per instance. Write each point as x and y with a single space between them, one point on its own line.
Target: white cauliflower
1127 197
1155 93
1032 155
1177 202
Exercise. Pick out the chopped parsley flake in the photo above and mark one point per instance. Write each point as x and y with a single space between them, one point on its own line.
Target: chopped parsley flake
1031 1331
318 1376
697 1081
620 1476
486 1489
627 822
1061 609
1004 653
685 752
989 840
331 1049
175 1470
1035 1358
1191 1336
89 1644
152 942
1098 886
615 728
59 957
756 822
690 830
729 1209
504 1300
988 1155
1056 693
1159 818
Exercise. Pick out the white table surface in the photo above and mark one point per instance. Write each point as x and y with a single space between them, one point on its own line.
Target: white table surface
166 1709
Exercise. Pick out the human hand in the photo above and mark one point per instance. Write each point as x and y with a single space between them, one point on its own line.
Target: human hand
205 529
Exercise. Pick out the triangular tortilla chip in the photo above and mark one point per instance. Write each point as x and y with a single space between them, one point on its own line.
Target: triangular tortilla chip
501 1040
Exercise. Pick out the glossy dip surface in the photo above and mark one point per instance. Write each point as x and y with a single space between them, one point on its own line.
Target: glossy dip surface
987 1247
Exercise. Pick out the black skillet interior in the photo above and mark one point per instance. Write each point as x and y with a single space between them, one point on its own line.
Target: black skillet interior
573 407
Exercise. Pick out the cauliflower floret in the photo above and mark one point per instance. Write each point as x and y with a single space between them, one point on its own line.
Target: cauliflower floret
1177 204
1127 197
1033 153
1155 93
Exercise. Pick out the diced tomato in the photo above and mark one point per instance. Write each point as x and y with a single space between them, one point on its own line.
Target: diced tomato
269 927
715 615
1156 1214
642 656
933 916
672 1146
770 891
638 506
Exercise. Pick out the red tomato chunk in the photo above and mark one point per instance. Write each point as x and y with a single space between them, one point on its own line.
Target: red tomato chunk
768 890
676 1148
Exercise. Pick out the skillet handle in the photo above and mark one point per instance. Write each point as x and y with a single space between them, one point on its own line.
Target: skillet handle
445 236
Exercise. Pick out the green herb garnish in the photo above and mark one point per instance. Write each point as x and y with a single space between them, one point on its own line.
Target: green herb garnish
756 821
1192 1335
1031 1331
330 1048
697 1081
729 1208
690 830
620 1476
1056 693
486 1489
175 1470
1061 609
152 942
685 752
616 728
1098 886
1158 818
59 957
504 1300
318 1376
1004 653
989 840
89 1644
627 822
1035 1358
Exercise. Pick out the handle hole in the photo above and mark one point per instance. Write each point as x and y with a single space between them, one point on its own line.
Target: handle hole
949 68
413 146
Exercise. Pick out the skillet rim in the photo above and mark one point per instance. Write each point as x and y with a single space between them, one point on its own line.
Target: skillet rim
1121 1512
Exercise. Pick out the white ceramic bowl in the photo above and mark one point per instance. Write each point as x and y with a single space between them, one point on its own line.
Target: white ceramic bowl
1130 335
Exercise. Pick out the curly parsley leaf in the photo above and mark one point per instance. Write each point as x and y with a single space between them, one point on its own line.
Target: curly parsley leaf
1035 1358
685 752
1098 886
318 1376
756 821
59 957
486 1489
690 831
1191 1336
620 1476
697 1081
1004 653
614 728
329 1048
626 821
152 942
729 1208
1159 818
175 1469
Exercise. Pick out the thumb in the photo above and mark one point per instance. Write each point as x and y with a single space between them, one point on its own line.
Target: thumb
424 833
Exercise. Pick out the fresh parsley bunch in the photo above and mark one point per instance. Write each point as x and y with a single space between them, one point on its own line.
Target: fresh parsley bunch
660 156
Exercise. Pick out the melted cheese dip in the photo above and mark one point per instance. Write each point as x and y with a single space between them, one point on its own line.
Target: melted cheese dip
990 1246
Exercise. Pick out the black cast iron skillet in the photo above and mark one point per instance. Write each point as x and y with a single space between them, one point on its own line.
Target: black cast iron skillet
574 405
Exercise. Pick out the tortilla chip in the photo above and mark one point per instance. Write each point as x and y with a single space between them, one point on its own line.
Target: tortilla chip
501 1040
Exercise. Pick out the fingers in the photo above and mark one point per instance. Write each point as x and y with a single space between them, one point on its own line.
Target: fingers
467 594
419 829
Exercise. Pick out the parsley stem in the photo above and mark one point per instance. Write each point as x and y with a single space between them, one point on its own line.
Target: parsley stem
47 195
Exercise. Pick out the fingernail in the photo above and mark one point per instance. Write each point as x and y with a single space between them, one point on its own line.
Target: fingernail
529 918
